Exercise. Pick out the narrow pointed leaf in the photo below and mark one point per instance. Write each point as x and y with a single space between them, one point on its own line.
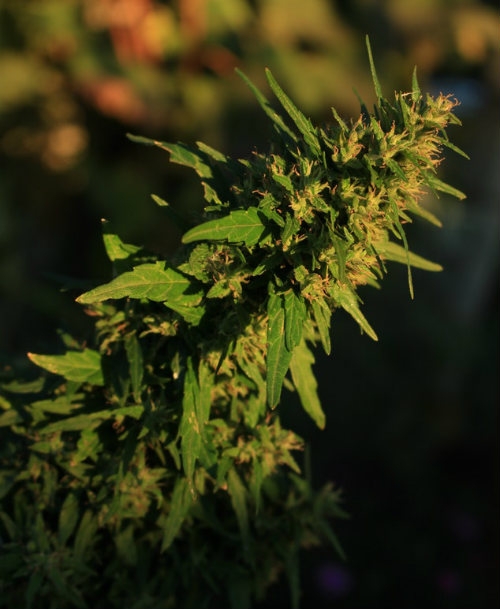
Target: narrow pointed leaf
437 184
180 154
295 315
277 120
182 500
240 226
68 518
154 281
238 493
302 123
322 316
376 83
347 300
80 366
305 383
415 89
190 429
278 356
396 253
136 363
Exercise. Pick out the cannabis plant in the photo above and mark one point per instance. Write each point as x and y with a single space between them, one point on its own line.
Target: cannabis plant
150 469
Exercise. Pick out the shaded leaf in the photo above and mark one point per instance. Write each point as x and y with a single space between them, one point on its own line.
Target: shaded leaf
80 366
68 517
238 494
182 500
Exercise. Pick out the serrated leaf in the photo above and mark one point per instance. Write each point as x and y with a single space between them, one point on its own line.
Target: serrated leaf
302 123
295 316
305 383
397 253
240 226
156 282
182 500
80 366
278 356
345 298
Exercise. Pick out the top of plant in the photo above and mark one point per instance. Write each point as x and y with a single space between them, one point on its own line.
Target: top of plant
305 223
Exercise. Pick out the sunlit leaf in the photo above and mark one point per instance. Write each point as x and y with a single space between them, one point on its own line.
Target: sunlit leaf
156 282
305 383
240 226
302 123
278 355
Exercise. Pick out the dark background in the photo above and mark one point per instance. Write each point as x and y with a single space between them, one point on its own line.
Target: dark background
412 427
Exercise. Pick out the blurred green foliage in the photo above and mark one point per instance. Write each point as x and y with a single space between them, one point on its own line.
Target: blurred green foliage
77 74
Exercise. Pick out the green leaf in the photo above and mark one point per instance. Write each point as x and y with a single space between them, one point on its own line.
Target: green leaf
9 418
293 575
278 122
182 500
136 364
305 383
322 315
34 583
344 297
238 494
240 226
68 517
156 282
376 83
116 249
416 94
437 184
93 419
190 429
80 366
85 536
172 213
295 316
397 253
278 355
179 153
302 123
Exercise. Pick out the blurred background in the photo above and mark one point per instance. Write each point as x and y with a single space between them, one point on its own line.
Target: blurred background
412 427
